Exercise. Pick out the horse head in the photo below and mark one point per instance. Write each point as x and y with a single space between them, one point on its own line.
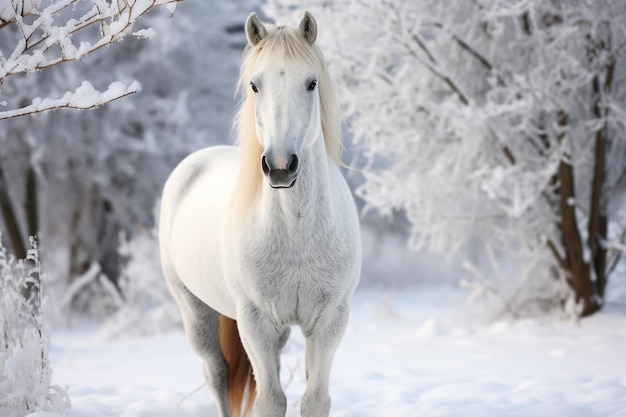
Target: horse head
284 84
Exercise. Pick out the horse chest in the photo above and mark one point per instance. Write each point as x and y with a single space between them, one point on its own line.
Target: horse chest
295 274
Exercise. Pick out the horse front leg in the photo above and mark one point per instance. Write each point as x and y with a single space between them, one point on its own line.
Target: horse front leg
321 344
263 342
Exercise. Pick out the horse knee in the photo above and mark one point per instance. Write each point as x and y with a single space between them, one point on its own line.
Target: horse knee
315 404
271 404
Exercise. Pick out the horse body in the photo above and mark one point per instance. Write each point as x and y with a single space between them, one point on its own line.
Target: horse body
284 260
267 253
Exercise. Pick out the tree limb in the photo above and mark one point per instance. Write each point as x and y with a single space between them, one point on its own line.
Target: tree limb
466 47
431 67
85 97
115 24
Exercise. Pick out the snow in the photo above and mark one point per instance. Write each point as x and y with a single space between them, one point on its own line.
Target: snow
145 33
416 352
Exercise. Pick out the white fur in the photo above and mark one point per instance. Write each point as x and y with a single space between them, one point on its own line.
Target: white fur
293 258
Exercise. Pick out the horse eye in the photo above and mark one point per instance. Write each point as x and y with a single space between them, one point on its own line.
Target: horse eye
254 87
311 86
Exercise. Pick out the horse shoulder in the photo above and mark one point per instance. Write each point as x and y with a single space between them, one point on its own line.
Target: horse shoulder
348 222
196 198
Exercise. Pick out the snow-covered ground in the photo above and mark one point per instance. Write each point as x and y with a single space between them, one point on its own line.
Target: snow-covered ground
405 353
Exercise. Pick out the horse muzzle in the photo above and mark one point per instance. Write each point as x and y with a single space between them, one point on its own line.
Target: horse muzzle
280 171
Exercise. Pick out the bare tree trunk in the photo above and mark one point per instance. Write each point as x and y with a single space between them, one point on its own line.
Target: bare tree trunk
598 218
32 203
32 224
578 266
579 270
16 238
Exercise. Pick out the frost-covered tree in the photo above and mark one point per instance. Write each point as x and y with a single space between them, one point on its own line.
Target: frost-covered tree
496 121
98 173
36 166
37 36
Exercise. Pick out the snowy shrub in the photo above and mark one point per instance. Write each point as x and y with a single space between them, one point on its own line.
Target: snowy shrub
147 306
25 373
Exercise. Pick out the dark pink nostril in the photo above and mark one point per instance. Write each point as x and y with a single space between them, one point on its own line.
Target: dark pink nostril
292 166
265 165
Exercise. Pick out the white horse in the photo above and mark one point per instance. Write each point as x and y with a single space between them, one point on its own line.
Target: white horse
265 235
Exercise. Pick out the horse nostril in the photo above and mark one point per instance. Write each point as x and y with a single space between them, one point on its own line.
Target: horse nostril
265 165
292 167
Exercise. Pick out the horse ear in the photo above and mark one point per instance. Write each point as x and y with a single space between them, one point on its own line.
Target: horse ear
308 27
255 29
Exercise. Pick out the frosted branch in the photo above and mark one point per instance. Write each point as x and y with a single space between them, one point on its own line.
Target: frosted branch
86 278
615 251
116 20
431 65
84 97
617 246
468 48
56 36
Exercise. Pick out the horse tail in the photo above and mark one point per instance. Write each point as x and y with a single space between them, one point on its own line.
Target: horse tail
241 384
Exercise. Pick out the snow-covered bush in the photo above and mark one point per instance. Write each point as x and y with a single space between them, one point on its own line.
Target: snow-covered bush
25 373
498 124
